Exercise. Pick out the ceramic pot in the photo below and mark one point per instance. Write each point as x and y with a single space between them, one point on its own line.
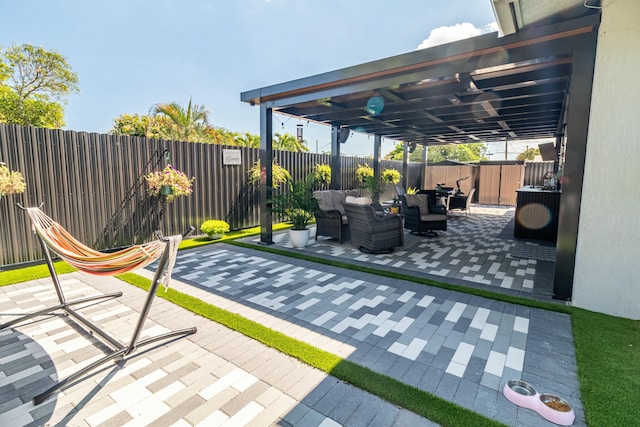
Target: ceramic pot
299 238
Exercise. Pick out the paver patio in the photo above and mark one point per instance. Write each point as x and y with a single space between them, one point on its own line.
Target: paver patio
460 347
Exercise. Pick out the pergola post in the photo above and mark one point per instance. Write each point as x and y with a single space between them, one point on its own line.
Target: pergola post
405 165
423 170
336 174
377 147
266 174
573 170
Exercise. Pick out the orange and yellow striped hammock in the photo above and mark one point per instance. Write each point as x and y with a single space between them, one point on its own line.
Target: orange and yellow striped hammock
95 262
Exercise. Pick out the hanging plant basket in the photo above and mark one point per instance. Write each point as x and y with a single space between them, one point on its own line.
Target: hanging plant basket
166 190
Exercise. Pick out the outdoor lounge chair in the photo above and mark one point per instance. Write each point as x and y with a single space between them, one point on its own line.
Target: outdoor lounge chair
372 232
52 235
422 217
331 220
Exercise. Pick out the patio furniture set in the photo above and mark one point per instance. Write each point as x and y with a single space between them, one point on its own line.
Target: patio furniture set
344 216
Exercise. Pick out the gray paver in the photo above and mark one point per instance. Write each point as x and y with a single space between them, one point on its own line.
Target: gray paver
277 295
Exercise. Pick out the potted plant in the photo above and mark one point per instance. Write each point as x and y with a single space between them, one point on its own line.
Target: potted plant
169 183
279 174
322 175
11 182
362 172
297 205
390 176
215 228
372 186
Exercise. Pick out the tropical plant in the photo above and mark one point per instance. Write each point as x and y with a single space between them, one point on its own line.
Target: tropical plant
372 186
279 174
362 172
33 85
214 227
180 184
412 190
183 125
322 175
11 182
296 204
288 142
390 176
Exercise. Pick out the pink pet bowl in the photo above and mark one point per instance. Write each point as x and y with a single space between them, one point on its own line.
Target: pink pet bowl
553 408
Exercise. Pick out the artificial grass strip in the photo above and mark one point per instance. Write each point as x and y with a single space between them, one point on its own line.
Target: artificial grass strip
11 277
232 235
406 277
608 357
422 403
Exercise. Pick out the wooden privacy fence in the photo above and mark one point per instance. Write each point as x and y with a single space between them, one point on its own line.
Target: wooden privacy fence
495 183
93 184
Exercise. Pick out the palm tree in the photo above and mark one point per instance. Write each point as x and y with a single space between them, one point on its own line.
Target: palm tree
288 142
190 125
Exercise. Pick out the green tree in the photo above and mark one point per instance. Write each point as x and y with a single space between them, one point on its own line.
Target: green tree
528 154
398 150
457 152
34 112
34 84
132 125
180 124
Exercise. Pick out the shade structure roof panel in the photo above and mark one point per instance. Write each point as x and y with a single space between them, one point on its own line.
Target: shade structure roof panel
482 89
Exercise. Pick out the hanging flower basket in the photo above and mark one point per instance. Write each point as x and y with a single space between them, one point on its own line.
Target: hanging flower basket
169 183
166 190
11 182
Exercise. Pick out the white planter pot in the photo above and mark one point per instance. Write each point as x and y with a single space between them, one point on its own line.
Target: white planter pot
299 238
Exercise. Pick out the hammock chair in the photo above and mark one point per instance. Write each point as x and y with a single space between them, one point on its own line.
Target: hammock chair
52 235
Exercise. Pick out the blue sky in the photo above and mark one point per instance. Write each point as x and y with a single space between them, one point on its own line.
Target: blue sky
132 54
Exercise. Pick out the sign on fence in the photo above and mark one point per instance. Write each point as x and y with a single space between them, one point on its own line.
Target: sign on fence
231 157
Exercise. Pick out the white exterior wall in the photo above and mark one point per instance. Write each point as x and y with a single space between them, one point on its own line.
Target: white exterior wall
607 269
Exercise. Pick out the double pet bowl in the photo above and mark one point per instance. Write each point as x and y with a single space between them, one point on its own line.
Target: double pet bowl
551 407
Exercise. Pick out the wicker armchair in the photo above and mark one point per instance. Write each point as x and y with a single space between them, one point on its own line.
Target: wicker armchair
331 220
422 217
372 232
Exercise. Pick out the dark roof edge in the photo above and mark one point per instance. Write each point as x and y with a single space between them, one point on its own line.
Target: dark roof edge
398 62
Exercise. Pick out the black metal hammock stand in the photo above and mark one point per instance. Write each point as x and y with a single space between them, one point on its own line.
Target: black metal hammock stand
52 235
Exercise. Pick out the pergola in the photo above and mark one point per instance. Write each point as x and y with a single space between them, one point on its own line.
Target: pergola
533 84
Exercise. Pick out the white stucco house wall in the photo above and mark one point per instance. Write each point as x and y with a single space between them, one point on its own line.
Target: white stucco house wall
607 268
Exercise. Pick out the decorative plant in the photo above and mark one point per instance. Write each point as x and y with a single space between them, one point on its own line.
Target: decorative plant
372 185
322 175
180 184
390 176
214 227
363 171
11 182
279 174
412 190
297 203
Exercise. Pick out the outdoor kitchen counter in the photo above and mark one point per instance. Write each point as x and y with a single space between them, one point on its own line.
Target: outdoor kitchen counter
537 213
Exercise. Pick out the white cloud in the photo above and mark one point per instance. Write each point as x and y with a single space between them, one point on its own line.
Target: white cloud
442 35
